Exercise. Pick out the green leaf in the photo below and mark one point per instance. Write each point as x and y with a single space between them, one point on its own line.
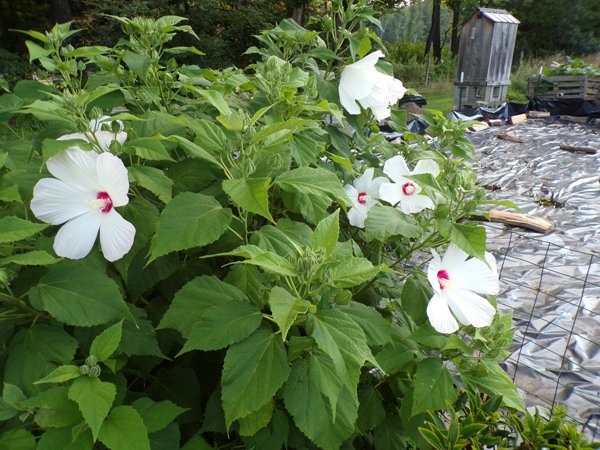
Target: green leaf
208 136
312 208
124 429
94 398
351 272
63 439
148 148
139 337
52 147
493 380
284 128
12 395
189 220
138 64
13 229
272 262
256 420
305 149
434 386
223 325
253 372
157 415
36 51
415 296
17 439
315 181
231 122
33 258
194 299
90 298
10 194
194 150
61 374
217 100
470 238
152 179
384 222
285 309
251 194
375 327
340 337
34 352
371 411
322 407
107 342
54 408
327 233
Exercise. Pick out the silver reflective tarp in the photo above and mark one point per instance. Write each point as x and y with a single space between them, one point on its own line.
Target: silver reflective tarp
551 283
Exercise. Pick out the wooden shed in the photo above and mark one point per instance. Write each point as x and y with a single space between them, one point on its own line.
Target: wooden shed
487 43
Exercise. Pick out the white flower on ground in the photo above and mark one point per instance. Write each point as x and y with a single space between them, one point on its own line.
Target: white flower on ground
362 82
364 193
456 282
100 132
404 191
87 188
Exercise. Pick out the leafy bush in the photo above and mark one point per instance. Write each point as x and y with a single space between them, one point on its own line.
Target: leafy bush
13 67
235 299
572 67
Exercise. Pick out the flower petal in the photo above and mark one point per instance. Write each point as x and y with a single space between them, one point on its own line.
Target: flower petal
75 238
396 169
477 276
55 201
116 236
427 166
356 217
363 182
112 175
470 308
411 204
440 316
75 167
352 193
373 190
432 272
68 137
391 193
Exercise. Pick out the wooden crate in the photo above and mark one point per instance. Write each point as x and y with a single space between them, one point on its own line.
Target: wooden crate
563 87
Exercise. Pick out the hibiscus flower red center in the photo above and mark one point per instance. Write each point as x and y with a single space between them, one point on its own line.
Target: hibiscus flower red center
362 198
106 203
409 188
443 278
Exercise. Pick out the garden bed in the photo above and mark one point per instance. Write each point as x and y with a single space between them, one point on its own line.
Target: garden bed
564 87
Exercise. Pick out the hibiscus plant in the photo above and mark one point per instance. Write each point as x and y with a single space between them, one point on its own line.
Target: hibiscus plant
267 273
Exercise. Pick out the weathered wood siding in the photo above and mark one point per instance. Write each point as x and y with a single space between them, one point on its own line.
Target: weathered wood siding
475 46
502 48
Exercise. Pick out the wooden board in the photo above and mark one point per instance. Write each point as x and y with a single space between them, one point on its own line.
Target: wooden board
522 220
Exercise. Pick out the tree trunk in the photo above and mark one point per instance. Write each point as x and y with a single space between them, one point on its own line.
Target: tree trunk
454 42
435 30
61 11
298 13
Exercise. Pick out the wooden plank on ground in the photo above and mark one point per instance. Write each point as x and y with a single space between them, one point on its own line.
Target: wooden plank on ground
519 118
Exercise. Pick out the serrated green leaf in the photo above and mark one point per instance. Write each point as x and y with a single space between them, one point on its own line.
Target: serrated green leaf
90 298
375 327
36 51
139 337
217 100
470 238
223 325
351 272
107 342
34 352
13 229
371 411
54 409
152 179
10 194
305 149
434 386
189 220
17 439
322 406
194 299
326 234
253 372
208 136
285 308
62 438
315 181
250 194
493 380
273 263
94 399
194 150
33 258
157 415
61 374
383 222
256 420
124 429
52 147
415 296
312 208
138 64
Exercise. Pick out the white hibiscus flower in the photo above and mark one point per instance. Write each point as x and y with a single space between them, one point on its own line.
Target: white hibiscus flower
100 132
362 82
364 192
404 191
457 281
87 188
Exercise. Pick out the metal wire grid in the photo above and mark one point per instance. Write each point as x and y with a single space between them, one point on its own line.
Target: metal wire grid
554 294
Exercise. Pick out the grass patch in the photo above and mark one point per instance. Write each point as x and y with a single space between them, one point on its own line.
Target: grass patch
439 95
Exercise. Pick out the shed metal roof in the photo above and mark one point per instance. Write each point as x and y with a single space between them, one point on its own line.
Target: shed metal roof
498 15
